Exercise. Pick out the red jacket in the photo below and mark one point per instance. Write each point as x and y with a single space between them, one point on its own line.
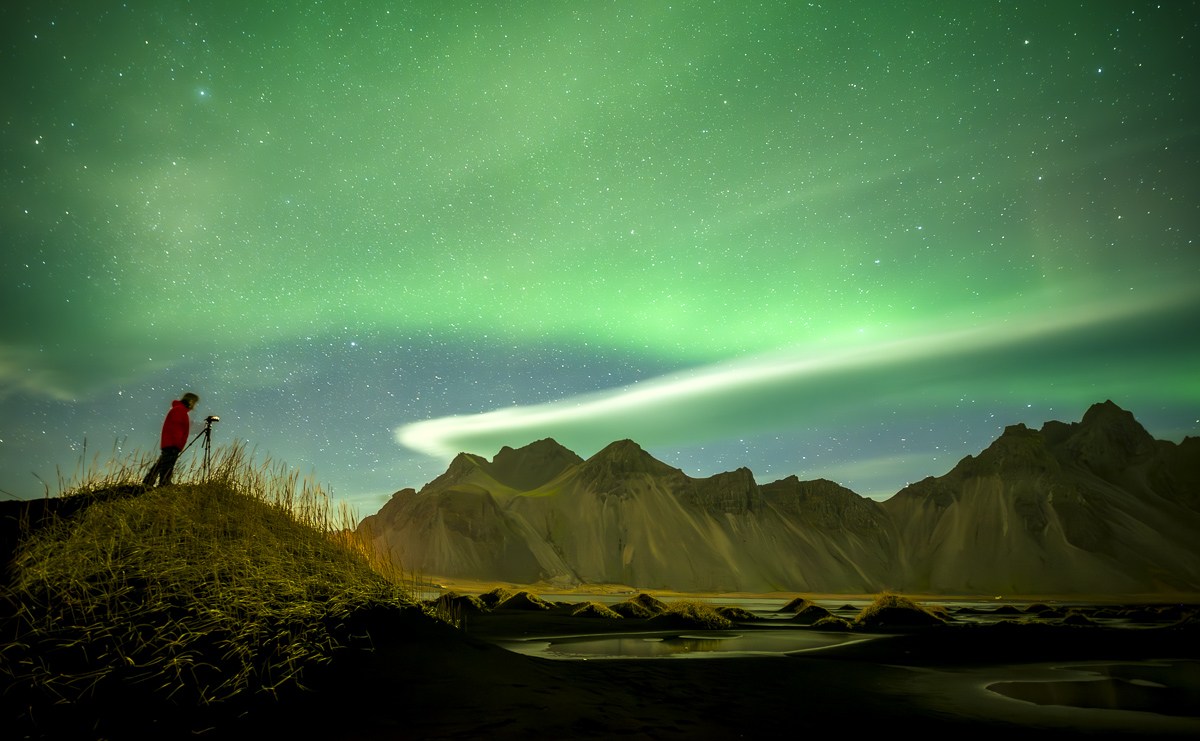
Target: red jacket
176 426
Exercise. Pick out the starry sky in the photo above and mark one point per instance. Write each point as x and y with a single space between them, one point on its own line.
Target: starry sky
840 240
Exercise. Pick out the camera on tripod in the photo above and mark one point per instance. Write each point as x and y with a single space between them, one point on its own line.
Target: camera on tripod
205 433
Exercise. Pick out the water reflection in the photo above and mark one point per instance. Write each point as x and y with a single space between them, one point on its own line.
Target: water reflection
698 644
1167 688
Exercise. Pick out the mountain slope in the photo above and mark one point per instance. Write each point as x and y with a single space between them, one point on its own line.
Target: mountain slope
1069 508
1087 507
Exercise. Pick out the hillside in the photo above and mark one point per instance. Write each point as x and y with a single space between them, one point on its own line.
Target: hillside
1096 506
150 612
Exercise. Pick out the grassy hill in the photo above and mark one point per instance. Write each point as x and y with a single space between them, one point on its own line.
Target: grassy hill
188 604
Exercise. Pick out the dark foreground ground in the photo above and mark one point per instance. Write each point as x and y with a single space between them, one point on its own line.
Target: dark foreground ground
928 681
411 678
440 683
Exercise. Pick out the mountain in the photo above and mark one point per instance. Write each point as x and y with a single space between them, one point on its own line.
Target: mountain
1096 506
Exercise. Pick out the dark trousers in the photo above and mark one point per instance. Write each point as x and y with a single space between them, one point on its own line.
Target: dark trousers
164 468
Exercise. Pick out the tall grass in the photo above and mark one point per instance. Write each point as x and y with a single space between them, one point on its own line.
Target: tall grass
231 581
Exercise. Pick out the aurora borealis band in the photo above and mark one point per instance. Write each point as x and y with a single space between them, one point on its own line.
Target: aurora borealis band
846 240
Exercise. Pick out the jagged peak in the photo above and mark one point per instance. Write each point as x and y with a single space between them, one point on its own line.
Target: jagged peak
628 456
737 473
532 465
625 445
466 462
461 467
1019 451
795 487
1116 421
544 447
1105 410
1108 436
1016 440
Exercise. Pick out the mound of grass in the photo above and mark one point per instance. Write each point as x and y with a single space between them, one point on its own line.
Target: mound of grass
594 610
524 601
1142 615
939 611
1011 624
1075 617
632 610
735 613
1189 621
796 605
640 606
226 586
892 610
832 622
689 614
810 614
495 597
453 603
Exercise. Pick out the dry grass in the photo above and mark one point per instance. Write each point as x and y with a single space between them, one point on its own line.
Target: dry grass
594 610
230 582
495 597
736 613
640 606
524 600
796 605
691 614
832 622
893 610
811 613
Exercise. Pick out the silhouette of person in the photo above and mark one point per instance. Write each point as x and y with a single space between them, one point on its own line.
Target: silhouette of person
174 439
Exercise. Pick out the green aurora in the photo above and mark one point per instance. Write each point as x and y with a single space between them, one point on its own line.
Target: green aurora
338 219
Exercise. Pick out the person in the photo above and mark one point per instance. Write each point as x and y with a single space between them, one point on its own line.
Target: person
174 439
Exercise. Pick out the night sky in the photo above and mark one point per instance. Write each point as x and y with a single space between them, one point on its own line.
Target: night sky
840 240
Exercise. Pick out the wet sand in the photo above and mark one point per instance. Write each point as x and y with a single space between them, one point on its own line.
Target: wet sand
926 681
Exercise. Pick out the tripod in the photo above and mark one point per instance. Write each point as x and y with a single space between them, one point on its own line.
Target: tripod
206 433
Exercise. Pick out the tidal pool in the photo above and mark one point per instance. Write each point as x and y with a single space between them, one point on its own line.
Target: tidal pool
1163 687
692 644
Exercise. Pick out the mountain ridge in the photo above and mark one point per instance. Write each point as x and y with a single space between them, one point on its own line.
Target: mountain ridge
1096 505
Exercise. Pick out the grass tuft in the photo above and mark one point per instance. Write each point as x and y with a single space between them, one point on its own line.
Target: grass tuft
495 597
232 582
893 610
690 614
832 622
736 613
524 600
810 613
594 610
640 606
796 605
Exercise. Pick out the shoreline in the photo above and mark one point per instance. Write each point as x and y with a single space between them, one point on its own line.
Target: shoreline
477 587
